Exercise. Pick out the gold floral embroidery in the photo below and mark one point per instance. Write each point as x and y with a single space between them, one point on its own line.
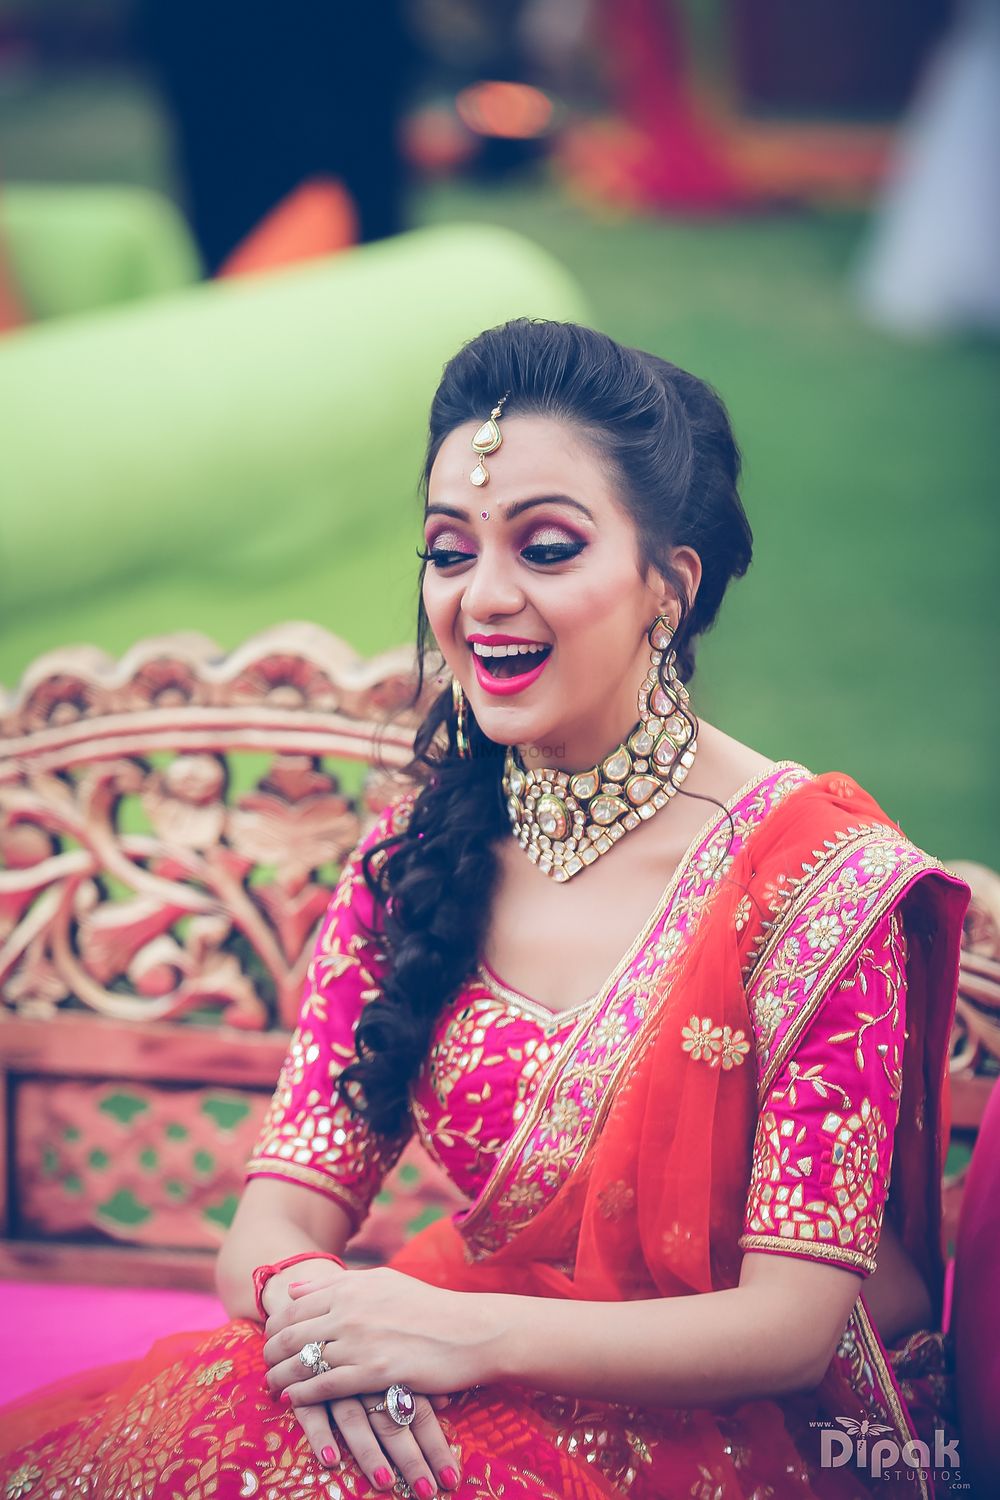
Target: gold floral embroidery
478 1037
563 1118
879 862
770 1009
702 1039
734 1048
785 895
604 1437
22 1480
714 861
668 943
719 1046
527 1197
824 933
893 965
742 914
616 1200
217 1371
811 1079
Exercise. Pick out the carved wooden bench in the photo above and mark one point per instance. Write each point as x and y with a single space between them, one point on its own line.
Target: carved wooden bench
170 828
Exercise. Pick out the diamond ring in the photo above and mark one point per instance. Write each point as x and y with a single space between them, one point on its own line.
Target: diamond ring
311 1356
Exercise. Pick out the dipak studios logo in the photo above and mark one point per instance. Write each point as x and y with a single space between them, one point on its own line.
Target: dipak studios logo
874 1447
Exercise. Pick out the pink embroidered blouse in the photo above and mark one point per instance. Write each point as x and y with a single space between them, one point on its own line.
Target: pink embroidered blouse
823 1147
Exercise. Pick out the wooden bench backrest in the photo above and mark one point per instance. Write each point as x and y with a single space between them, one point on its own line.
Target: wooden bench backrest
170 829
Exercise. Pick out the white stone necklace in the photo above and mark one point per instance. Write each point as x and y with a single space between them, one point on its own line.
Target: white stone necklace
565 821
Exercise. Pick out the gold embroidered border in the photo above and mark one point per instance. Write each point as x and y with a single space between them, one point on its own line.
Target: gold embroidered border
802 892
561 1064
905 1431
823 876
550 1019
293 1171
814 1249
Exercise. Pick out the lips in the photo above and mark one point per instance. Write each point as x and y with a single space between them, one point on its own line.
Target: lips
503 687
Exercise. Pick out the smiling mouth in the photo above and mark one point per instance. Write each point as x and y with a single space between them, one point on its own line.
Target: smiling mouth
510 661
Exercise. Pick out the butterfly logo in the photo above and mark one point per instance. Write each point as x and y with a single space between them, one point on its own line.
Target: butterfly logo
863 1429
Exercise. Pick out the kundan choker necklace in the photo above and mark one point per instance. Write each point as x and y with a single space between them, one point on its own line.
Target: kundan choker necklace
565 821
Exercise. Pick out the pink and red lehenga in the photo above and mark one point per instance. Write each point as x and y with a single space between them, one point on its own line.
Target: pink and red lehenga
775 1038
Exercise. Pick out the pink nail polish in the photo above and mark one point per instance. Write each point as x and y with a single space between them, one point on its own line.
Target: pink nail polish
328 1456
423 1489
286 1396
293 1284
383 1478
449 1477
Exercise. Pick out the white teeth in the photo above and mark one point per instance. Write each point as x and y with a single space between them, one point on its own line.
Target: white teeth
481 650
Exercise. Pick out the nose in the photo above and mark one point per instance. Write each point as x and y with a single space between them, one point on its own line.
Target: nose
492 590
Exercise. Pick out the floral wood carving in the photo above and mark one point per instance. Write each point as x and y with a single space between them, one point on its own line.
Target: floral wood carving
171 823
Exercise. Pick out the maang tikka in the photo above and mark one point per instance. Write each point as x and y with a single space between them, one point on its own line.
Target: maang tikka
487 439
564 821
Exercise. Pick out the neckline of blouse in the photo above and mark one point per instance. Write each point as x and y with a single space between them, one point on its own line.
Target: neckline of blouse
555 1019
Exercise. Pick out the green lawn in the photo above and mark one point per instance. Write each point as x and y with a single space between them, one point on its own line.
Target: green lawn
864 636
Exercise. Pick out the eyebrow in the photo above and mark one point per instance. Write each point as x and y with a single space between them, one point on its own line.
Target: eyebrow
510 512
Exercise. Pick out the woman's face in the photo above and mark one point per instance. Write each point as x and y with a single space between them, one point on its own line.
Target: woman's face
553 562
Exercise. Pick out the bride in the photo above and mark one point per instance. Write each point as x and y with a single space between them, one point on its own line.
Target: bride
672 1015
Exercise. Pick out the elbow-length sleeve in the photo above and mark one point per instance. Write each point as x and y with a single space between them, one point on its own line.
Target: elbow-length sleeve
310 1135
823 1144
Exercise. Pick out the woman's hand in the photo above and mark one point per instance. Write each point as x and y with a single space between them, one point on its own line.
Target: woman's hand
379 1327
418 1451
279 1297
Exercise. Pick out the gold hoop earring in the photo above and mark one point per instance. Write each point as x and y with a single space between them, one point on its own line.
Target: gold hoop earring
462 745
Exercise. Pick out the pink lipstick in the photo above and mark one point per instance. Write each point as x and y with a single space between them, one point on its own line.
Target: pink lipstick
503 687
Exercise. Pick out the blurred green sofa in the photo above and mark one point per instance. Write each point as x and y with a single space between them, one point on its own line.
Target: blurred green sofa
231 453
76 247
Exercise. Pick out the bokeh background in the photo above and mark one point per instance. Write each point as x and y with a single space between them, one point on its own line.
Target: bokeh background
230 277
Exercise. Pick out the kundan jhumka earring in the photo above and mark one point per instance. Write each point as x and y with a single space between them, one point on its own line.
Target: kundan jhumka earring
461 721
487 439
564 822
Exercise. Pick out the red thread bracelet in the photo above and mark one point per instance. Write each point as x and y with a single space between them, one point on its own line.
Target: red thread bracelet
263 1274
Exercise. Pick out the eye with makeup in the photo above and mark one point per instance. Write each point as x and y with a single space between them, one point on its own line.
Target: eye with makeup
539 552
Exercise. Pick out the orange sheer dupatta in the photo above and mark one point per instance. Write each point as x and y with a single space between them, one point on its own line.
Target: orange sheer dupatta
654 1203
659 1191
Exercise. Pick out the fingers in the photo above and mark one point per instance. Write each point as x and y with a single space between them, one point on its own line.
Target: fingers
315 1423
434 1449
285 1346
310 1304
420 1452
357 1435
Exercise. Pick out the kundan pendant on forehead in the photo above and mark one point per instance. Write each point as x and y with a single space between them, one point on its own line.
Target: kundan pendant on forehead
487 439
